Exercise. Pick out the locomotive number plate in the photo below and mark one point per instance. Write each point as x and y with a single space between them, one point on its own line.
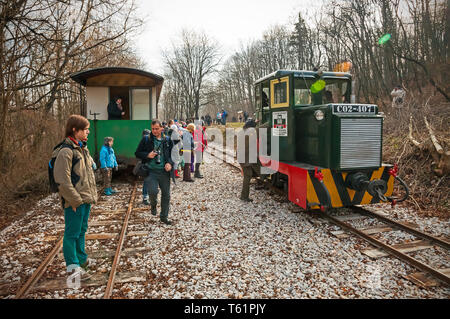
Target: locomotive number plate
353 108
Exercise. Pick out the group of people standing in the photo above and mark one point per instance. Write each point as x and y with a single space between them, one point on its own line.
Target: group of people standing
162 150
74 168
165 149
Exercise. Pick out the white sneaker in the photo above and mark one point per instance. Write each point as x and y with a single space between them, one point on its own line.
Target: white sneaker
85 275
78 273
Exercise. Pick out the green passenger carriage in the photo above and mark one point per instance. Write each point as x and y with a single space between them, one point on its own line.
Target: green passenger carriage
140 92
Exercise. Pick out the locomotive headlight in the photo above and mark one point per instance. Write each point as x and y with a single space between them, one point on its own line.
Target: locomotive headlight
319 115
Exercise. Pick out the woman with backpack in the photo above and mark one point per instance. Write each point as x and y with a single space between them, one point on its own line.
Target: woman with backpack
108 162
74 175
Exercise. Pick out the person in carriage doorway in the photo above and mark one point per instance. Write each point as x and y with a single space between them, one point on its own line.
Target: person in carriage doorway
249 165
108 162
155 152
74 175
115 109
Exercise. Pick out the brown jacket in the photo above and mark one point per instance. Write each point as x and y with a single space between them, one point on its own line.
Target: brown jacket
76 185
248 149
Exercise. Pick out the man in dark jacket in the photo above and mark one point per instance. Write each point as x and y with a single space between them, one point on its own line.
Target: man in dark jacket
115 109
155 152
249 165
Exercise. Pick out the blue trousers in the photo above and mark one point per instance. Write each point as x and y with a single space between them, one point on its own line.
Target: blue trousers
159 178
76 225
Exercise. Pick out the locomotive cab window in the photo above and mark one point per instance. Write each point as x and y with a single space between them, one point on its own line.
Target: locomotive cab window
280 92
302 93
336 91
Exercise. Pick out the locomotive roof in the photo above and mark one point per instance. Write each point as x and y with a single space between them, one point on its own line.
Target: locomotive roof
305 74
116 76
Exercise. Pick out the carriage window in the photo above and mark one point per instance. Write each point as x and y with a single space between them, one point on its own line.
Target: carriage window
258 97
302 93
280 90
140 104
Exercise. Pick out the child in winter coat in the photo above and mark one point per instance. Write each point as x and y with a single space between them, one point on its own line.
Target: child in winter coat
108 162
74 174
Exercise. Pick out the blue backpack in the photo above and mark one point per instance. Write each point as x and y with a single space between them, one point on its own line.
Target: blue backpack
51 165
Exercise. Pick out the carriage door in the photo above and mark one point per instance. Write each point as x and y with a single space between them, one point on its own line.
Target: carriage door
140 104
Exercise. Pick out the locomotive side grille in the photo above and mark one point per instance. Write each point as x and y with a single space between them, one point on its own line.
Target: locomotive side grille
361 142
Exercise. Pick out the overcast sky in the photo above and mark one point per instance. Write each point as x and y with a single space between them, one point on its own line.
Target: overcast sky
229 22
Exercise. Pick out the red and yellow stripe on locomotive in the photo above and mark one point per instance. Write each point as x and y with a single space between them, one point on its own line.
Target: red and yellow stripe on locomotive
314 188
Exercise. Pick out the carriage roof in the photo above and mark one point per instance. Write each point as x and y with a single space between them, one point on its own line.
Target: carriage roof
117 76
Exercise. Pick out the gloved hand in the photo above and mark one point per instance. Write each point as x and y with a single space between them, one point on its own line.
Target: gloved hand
94 166
116 168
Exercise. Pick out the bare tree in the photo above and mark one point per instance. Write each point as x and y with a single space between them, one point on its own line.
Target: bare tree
42 42
190 63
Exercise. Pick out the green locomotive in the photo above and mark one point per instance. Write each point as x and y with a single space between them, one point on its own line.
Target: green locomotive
330 150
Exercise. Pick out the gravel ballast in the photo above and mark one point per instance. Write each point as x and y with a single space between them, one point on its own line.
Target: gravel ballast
221 247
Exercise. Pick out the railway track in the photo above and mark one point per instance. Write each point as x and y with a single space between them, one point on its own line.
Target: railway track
98 218
401 250
424 278
123 215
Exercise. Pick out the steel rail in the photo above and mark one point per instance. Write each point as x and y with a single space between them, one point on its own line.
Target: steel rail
112 274
39 271
401 226
43 266
391 250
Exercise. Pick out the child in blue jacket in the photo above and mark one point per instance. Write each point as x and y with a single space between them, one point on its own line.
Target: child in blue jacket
108 162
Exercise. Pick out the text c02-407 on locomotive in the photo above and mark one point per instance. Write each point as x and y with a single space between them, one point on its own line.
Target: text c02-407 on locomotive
330 150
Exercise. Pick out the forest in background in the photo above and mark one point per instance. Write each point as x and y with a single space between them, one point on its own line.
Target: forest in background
42 42
200 81
415 57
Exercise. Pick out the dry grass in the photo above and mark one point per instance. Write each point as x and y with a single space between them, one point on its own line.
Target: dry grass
428 192
23 174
